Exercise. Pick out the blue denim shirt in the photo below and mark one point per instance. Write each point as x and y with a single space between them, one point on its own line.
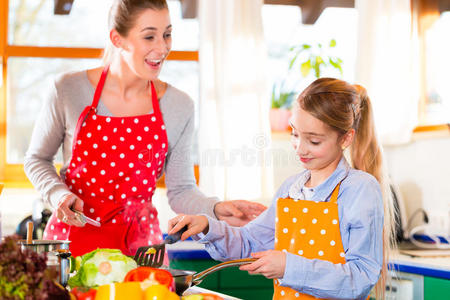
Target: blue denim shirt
361 213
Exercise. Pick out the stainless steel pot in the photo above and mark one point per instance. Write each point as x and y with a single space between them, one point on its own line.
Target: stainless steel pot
57 255
185 279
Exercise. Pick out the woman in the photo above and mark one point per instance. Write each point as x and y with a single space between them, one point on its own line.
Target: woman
118 140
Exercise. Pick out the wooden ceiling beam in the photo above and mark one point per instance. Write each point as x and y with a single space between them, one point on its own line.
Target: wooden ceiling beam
444 5
312 9
189 9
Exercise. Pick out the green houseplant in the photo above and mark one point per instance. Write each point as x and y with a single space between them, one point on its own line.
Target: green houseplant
311 60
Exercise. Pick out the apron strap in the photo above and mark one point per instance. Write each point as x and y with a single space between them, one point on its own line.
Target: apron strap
155 101
93 106
99 88
80 123
334 195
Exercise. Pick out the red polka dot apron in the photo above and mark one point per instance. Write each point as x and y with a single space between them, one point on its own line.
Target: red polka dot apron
310 229
114 167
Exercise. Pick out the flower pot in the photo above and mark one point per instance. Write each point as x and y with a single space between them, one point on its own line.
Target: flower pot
279 119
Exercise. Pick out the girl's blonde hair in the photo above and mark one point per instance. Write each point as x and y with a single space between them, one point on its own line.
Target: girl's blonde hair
122 17
343 106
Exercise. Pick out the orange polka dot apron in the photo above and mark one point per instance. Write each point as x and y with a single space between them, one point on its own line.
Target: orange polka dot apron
114 167
309 229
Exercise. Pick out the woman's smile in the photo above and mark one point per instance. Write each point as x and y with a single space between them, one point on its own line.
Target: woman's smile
154 63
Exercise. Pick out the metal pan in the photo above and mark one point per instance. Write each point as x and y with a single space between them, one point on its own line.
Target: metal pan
58 254
185 279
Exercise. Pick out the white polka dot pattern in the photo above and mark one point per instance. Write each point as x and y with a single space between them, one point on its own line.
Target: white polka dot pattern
110 157
308 229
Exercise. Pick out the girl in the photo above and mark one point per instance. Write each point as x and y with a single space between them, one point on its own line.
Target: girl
323 234
120 128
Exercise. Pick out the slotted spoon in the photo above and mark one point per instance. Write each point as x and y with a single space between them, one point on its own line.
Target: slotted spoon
153 255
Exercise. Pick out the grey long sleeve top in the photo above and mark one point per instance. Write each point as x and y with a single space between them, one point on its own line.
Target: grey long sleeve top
56 123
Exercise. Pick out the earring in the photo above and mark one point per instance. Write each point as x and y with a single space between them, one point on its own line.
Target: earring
343 147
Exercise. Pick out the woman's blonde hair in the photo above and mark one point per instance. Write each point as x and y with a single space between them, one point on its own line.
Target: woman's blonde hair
122 17
343 106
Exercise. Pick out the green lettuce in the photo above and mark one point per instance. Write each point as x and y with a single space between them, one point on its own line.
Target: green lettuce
88 274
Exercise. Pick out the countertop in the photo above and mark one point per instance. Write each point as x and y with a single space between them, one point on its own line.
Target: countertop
434 266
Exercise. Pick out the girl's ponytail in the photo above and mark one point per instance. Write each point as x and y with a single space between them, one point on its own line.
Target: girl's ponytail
365 151
366 155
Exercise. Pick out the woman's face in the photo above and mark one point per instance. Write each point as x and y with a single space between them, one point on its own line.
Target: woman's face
316 144
148 43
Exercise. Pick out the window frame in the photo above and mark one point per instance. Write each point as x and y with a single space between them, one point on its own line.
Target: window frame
13 175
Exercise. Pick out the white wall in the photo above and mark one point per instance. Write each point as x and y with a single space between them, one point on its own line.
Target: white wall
421 169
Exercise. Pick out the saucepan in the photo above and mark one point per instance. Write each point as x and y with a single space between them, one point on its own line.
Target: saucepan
57 253
185 279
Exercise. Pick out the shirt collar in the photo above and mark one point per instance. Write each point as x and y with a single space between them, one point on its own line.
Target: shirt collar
323 191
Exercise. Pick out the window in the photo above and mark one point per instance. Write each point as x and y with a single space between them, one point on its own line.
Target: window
283 29
36 45
437 90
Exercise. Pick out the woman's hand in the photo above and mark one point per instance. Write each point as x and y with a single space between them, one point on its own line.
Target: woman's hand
238 212
65 213
270 263
196 224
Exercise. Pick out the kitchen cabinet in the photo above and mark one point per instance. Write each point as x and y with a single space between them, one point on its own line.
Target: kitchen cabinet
416 278
239 284
436 288
230 281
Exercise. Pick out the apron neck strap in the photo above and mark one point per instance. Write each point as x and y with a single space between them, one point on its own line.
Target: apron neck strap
334 195
155 102
101 83
99 88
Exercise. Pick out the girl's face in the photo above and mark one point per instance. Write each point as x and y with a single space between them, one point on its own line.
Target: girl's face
316 144
148 43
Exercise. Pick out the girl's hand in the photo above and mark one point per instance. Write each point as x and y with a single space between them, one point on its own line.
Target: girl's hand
64 210
238 212
196 224
270 263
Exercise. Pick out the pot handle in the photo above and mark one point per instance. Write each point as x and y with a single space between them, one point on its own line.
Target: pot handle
197 278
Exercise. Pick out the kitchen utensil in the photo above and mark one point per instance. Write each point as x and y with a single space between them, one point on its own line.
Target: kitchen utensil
83 219
57 253
30 226
185 279
153 255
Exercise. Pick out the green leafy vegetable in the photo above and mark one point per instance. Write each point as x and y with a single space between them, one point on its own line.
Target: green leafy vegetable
24 274
91 273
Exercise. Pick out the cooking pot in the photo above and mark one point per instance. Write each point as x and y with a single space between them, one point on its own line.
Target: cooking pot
57 255
185 279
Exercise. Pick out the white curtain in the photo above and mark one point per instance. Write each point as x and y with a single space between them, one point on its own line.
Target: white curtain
234 128
388 66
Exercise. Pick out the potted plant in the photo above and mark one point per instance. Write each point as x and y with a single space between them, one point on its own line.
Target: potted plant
280 108
305 58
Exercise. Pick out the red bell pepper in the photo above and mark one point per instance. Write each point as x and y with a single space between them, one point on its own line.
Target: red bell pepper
142 273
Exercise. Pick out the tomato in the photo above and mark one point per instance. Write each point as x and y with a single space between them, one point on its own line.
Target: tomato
147 273
207 296
84 294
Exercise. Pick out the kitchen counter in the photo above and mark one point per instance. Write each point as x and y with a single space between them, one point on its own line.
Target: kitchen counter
428 266
188 249
435 266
